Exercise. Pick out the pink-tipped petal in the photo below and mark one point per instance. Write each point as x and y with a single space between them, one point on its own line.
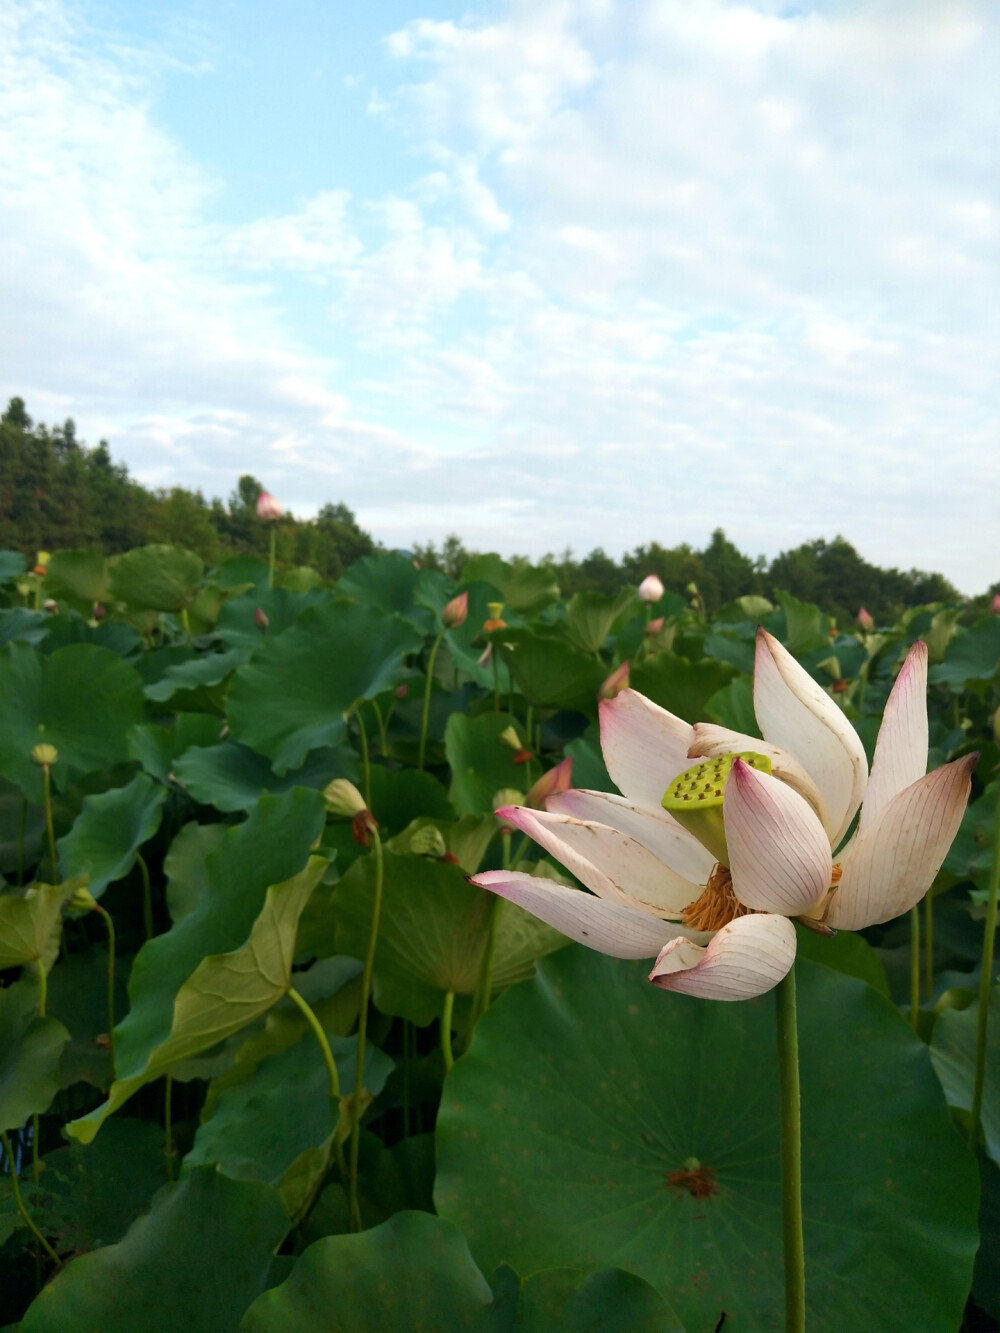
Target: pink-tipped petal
664 837
644 746
610 863
901 749
795 714
892 863
611 928
779 854
711 741
746 958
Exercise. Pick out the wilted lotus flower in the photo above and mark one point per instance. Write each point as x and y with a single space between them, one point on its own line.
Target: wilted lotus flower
651 589
865 621
455 612
709 886
615 683
268 507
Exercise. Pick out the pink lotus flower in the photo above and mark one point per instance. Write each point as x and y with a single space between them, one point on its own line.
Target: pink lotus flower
865 620
712 896
615 683
650 589
455 612
995 604
268 508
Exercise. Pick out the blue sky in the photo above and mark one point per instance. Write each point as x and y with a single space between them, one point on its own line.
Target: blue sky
546 273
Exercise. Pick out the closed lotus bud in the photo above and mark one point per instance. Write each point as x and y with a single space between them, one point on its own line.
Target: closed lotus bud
455 612
343 798
100 611
865 620
651 588
654 626
427 841
82 901
268 508
995 604
615 683
44 755
506 796
260 619
555 780
51 606
510 737
401 691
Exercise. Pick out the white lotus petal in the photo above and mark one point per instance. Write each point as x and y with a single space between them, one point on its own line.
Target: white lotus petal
779 854
644 746
795 714
711 741
655 829
610 863
901 749
746 958
611 928
892 863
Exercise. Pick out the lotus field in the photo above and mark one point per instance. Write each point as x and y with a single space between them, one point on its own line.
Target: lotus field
405 954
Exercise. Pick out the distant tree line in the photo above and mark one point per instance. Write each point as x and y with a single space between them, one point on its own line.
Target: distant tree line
58 493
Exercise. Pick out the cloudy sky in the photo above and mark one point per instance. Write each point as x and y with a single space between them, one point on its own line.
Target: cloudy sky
541 272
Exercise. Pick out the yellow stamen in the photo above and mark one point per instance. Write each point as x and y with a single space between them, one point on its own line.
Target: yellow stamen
717 906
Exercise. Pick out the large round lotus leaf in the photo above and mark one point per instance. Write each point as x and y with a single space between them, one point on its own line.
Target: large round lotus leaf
590 616
293 696
237 625
390 582
598 1121
12 563
77 577
523 587
481 763
30 1048
680 686
953 1050
109 830
82 700
231 776
157 578
549 670
194 1262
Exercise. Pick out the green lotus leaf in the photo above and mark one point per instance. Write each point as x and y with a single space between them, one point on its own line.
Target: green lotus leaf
646 1130
31 923
682 687
109 831
973 654
523 587
81 699
231 776
237 625
30 1049
195 1261
294 695
550 672
157 748
77 577
481 763
953 1050
157 578
590 616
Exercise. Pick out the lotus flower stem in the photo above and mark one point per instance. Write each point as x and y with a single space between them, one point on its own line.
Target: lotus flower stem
929 945
186 623
47 791
380 722
110 926
168 1127
496 682
270 567
147 895
25 1215
985 986
915 968
22 821
359 1065
791 1155
449 1005
331 1069
427 698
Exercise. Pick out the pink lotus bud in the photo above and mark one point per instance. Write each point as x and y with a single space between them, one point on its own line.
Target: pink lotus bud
555 780
455 612
865 620
651 589
995 604
615 683
401 691
654 626
268 507
260 619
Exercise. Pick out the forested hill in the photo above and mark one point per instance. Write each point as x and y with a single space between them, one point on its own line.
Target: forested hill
58 493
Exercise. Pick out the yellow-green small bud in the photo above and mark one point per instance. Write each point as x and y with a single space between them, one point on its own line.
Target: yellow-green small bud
343 798
510 737
507 796
694 798
44 755
82 901
427 841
